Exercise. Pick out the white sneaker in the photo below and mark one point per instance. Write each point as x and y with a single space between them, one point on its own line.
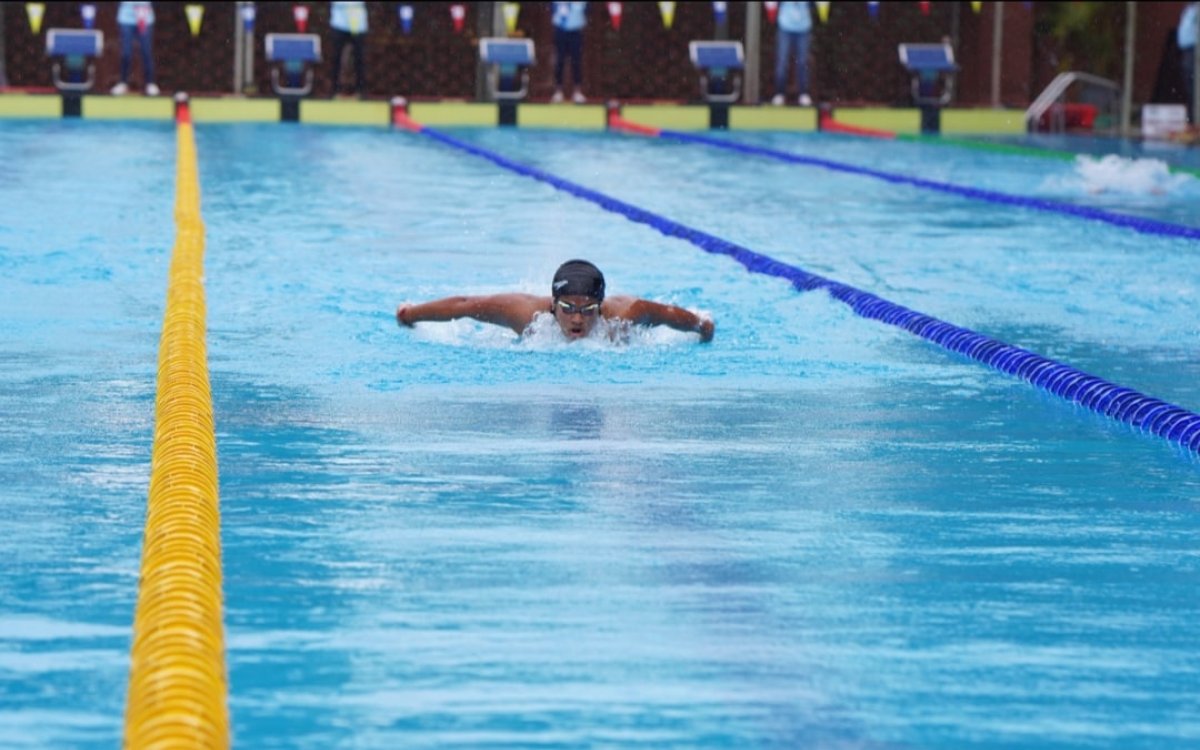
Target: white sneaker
577 97
152 89
804 101
777 100
120 89
557 98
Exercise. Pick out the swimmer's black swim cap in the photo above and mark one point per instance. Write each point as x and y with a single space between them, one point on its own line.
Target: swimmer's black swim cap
578 277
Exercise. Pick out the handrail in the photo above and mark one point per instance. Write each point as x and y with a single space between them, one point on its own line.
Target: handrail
1057 88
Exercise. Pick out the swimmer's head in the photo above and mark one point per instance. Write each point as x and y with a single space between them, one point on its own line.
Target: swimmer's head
576 294
578 277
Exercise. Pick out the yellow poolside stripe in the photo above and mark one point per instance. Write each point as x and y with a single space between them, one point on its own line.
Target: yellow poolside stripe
177 677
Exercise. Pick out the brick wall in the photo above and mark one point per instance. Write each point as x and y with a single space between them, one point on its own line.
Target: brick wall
854 58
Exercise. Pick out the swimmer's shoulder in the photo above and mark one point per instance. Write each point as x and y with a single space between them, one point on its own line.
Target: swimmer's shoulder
618 306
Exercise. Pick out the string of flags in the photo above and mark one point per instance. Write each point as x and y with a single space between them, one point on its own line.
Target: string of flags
36 12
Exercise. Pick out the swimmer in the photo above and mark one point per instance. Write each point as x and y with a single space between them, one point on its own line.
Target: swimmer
577 303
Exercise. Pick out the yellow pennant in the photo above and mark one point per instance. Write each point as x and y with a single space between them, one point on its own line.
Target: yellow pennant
355 17
667 9
511 11
195 16
976 6
823 11
35 11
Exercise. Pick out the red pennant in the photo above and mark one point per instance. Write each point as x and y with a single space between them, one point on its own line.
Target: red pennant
300 13
614 14
924 8
772 11
143 19
458 14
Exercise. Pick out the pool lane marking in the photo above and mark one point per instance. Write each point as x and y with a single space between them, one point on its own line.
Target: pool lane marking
1146 226
1143 412
177 677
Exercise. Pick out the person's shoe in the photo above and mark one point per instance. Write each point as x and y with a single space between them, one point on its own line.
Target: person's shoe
152 89
120 89
804 101
557 98
777 100
577 97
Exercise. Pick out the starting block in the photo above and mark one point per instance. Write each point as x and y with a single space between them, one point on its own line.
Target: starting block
720 64
75 49
295 54
933 73
508 62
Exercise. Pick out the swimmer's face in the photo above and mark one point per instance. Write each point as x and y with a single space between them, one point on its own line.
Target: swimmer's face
576 314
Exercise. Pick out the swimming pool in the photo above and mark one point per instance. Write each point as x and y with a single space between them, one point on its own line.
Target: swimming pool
818 530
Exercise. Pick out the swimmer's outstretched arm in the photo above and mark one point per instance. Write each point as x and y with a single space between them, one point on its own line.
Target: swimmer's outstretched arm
515 311
645 312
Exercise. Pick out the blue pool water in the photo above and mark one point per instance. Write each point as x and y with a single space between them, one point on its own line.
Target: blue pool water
816 531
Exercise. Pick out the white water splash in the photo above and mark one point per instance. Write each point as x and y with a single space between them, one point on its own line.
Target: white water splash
1119 175
544 334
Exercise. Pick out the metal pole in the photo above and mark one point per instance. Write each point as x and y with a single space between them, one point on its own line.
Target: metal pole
997 47
248 84
753 45
490 16
238 48
1127 86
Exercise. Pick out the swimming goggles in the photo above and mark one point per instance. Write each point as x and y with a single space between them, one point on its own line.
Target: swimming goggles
589 309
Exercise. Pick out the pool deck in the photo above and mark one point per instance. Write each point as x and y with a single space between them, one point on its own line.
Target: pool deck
673 115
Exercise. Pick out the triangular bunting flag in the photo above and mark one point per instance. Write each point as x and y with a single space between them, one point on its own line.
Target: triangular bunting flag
35 11
406 18
357 18
667 10
87 11
458 14
614 15
511 12
823 11
719 11
772 11
976 6
873 11
248 14
300 14
195 16
924 7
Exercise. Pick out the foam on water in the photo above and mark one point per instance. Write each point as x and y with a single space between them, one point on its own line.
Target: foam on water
545 335
1117 174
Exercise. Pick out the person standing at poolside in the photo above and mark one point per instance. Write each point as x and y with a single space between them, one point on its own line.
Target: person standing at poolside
569 20
577 302
794 29
136 21
348 25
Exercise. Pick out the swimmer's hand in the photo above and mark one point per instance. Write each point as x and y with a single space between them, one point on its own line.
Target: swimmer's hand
402 316
706 330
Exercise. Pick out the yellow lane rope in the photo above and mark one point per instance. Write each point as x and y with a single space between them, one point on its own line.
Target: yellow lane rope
177 677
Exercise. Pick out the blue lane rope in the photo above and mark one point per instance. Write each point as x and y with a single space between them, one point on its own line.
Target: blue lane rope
1144 412
1146 226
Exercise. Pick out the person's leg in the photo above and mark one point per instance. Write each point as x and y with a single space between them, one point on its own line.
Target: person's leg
146 41
783 43
560 56
127 34
339 39
575 53
360 67
802 66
